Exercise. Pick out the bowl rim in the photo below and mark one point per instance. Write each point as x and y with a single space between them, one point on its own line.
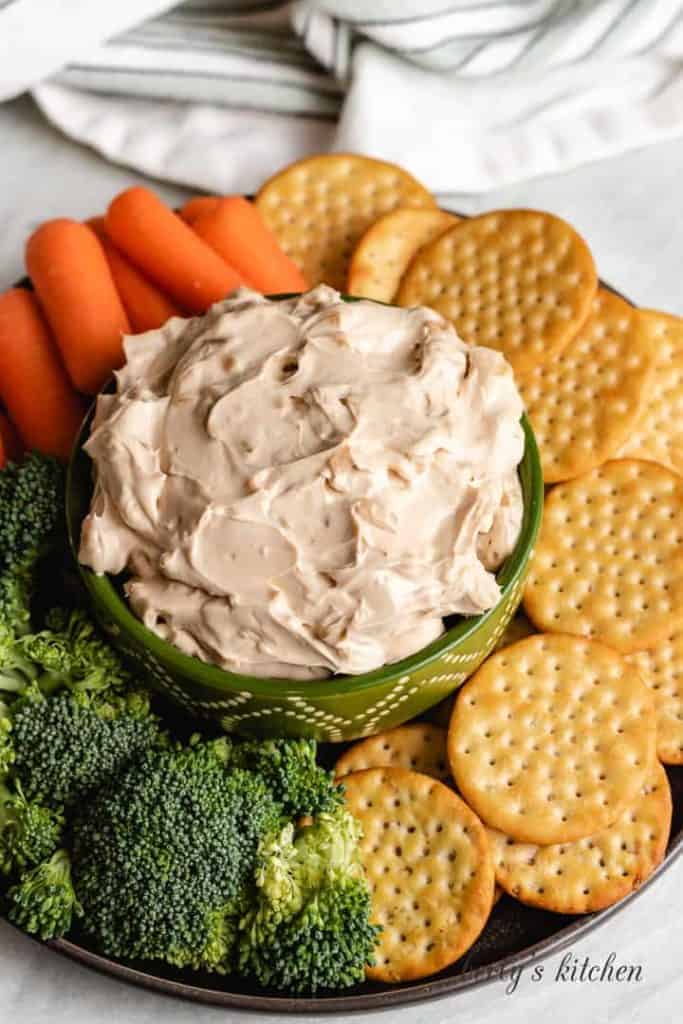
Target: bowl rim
103 592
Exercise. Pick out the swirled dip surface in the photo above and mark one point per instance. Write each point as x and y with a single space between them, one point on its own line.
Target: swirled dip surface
307 486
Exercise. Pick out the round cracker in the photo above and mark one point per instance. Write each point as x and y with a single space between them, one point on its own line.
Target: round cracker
319 208
419 747
384 252
552 738
584 404
517 628
609 558
427 860
520 281
659 433
662 670
592 873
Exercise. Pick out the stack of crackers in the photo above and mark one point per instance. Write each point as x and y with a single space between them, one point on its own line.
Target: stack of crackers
548 780
546 786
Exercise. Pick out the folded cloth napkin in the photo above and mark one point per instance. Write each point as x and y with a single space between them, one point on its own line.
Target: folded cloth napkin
468 94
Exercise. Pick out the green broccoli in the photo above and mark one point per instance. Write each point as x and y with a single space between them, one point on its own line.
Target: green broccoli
163 859
16 590
43 902
17 672
6 745
31 518
70 653
311 927
29 832
69 718
68 744
290 769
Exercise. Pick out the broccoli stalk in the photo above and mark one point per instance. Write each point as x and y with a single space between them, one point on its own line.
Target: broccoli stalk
44 902
311 927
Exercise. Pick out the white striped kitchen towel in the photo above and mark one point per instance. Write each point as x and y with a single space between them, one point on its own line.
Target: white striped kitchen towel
469 94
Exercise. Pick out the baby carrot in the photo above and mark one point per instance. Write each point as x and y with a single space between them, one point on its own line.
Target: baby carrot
33 383
238 233
79 298
167 251
146 306
197 206
10 442
4 457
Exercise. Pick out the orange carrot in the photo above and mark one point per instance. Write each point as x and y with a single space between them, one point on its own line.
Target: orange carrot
197 206
167 251
146 306
10 442
79 298
33 383
238 233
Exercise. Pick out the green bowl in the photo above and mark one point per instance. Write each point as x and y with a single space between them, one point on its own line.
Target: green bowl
335 709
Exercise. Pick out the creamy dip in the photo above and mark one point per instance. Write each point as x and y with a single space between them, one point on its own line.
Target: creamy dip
305 486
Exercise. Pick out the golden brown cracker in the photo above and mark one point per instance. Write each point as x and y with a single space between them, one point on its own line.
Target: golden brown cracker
520 281
609 557
382 255
428 864
320 207
517 628
659 433
584 403
662 670
591 873
552 738
418 746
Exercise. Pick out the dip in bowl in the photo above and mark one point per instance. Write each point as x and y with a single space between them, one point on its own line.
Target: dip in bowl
229 448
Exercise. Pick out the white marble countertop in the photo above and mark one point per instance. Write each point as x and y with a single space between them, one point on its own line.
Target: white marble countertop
630 211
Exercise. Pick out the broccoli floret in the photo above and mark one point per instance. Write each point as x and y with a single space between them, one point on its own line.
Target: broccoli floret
31 504
69 652
217 951
29 832
164 858
327 945
290 769
68 744
43 902
6 745
17 672
17 684
60 750
311 927
31 514
16 590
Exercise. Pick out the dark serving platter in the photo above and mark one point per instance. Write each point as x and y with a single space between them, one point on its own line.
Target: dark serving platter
514 937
